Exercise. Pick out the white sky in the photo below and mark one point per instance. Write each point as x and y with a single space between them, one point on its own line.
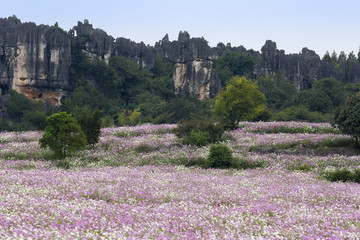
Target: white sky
319 25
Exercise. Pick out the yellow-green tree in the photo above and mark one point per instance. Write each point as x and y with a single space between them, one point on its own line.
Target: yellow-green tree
129 117
240 101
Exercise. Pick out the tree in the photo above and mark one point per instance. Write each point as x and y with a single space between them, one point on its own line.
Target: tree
62 134
241 100
129 117
348 119
90 123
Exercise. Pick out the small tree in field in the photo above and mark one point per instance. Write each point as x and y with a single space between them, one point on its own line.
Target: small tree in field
90 123
348 118
240 101
63 134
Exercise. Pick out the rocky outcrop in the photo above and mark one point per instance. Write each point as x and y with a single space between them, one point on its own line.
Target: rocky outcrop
97 43
35 60
193 60
303 68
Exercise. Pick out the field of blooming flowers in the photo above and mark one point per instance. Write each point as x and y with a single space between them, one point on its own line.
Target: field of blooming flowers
134 185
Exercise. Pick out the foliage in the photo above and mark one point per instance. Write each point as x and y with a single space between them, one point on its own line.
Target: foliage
332 88
63 134
240 101
231 64
186 108
199 138
348 119
92 97
199 132
300 113
4 125
144 148
24 113
314 100
247 164
220 156
129 117
107 121
344 175
90 123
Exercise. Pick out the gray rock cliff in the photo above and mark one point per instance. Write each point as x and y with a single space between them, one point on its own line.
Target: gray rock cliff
303 68
35 60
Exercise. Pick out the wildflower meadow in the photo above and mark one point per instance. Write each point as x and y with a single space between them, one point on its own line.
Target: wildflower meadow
140 183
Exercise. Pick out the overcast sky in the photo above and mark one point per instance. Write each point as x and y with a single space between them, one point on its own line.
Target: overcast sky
319 25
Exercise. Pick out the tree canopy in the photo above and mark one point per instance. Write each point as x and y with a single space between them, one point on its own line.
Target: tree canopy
241 100
348 119
62 134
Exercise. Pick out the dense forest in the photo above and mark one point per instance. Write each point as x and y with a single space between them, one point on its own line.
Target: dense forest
125 94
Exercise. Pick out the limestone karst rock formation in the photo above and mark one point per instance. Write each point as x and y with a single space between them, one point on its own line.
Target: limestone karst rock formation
35 60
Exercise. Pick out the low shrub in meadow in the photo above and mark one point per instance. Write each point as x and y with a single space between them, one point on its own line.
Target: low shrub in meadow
143 148
220 156
199 132
344 175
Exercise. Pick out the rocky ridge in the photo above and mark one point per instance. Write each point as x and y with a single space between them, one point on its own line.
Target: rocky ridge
35 60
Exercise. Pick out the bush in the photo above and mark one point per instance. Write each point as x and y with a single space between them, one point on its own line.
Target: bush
199 132
144 148
356 175
90 123
220 156
198 138
343 175
65 164
246 164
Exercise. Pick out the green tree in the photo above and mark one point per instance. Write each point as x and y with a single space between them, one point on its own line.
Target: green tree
62 134
241 100
348 118
90 123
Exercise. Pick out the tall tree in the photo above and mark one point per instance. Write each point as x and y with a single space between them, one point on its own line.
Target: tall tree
348 118
241 100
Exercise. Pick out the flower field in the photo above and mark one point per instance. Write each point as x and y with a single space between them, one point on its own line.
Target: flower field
135 185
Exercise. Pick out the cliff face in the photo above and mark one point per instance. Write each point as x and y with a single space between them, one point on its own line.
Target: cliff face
193 60
303 68
35 60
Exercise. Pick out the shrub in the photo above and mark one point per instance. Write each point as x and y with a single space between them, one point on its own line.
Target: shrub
246 164
220 156
343 175
90 123
144 148
65 164
199 132
198 138
356 175
200 161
